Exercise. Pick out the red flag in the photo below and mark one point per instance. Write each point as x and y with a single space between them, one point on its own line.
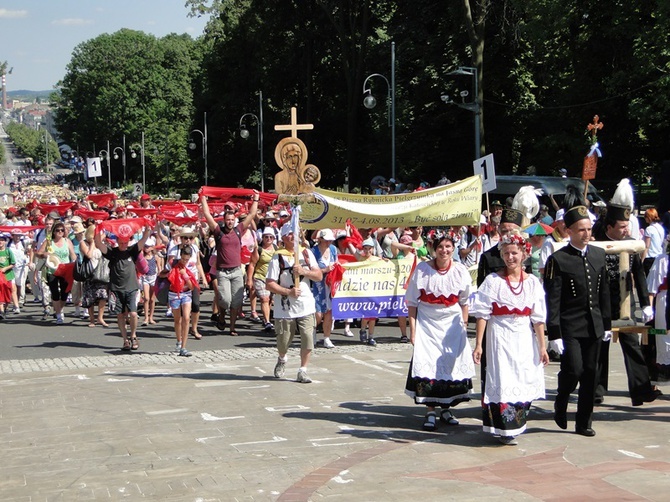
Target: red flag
102 199
236 194
22 228
181 220
173 210
96 215
123 229
60 208
66 271
142 211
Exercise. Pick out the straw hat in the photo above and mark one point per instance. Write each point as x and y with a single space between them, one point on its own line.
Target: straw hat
52 261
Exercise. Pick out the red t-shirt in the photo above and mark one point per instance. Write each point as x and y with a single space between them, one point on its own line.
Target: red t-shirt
228 247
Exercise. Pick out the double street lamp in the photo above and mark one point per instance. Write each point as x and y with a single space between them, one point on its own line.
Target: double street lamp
109 169
123 157
370 102
133 153
193 146
244 132
472 105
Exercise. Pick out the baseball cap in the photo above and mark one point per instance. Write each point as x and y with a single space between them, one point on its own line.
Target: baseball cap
369 242
326 234
145 196
283 213
150 242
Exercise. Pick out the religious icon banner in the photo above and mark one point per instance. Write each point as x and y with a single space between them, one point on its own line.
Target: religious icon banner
458 203
372 289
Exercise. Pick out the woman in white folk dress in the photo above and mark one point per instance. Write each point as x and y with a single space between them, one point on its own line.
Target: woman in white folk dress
510 307
441 370
659 345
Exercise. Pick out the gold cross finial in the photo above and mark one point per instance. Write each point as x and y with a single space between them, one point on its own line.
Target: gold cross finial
294 127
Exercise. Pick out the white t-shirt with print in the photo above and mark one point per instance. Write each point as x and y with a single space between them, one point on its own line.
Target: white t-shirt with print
288 307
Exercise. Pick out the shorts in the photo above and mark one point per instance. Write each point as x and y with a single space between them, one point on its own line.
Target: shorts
123 301
230 284
148 279
287 328
176 300
261 292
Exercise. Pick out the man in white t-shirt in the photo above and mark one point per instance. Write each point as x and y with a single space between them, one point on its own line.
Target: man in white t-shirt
294 305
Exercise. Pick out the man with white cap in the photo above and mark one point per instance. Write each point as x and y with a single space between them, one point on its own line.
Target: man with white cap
294 306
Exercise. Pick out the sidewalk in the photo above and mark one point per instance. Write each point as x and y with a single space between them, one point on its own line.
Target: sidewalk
219 427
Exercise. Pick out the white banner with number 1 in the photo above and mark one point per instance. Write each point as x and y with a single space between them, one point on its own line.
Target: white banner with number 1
485 167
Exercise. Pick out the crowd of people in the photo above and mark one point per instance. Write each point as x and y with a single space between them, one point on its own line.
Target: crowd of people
522 277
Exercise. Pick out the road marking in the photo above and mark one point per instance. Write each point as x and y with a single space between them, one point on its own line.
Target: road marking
373 366
289 407
210 418
255 387
220 383
167 412
275 439
630 454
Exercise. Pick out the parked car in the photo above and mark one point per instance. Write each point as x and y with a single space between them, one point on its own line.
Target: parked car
554 186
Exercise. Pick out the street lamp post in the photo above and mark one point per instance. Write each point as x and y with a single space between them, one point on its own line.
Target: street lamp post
244 132
133 153
123 157
46 152
370 102
109 170
192 144
473 105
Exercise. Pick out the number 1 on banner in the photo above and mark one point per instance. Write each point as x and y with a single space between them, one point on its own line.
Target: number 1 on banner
485 167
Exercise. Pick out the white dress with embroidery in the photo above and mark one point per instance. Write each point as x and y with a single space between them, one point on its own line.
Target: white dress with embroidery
442 366
514 372
657 284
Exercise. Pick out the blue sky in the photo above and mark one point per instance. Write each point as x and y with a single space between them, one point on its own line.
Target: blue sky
37 37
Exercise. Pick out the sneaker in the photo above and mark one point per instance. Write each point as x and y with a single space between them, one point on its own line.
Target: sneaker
177 347
372 342
16 310
184 353
168 313
59 319
302 377
328 344
348 332
404 339
280 368
269 327
508 440
363 335
46 314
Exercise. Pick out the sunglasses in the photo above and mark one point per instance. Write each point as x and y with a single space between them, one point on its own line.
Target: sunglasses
59 230
187 237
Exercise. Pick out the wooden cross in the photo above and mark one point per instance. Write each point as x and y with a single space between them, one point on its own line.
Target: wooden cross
294 127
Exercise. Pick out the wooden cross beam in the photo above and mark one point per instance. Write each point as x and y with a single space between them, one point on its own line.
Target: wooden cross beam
294 127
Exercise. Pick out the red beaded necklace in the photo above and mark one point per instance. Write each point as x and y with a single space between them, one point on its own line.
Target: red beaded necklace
515 290
442 271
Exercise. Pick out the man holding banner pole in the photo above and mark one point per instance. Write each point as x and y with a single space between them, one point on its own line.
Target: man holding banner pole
294 304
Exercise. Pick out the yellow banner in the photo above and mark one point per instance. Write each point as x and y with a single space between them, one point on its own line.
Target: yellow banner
455 204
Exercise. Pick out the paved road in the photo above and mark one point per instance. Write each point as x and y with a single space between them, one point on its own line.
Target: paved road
27 337
219 427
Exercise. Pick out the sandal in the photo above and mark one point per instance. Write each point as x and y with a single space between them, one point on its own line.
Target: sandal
430 422
448 418
136 344
195 335
126 345
233 332
103 324
91 325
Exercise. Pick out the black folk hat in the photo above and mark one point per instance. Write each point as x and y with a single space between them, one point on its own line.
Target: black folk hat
511 216
574 214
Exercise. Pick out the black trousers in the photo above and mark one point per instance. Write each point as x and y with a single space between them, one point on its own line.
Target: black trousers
639 383
579 365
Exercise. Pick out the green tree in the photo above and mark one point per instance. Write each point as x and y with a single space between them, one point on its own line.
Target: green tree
127 83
